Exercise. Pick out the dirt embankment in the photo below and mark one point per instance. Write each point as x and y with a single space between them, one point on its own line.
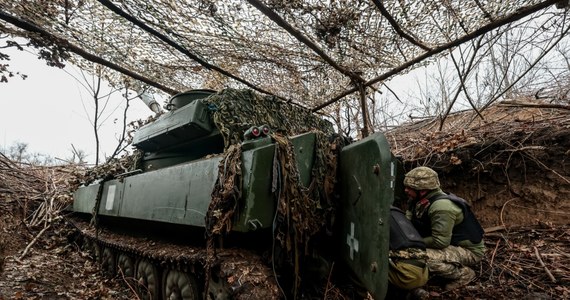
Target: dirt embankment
511 163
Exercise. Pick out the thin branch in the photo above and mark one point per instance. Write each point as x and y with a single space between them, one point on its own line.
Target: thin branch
538 59
534 105
462 78
28 26
543 265
396 27
502 210
519 14
29 246
178 47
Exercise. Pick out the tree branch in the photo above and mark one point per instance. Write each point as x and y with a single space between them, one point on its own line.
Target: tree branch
534 105
396 26
542 55
28 26
303 39
462 78
178 47
519 14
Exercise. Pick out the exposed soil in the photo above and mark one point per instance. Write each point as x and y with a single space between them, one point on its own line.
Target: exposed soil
513 167
512 163
54 268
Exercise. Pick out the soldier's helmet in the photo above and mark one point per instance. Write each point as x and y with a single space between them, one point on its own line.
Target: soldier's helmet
422 178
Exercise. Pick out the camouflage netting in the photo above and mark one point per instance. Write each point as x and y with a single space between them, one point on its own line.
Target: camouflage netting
302 211
114 167
309 51
234 111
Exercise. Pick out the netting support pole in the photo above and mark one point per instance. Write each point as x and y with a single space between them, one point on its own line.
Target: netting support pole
366 127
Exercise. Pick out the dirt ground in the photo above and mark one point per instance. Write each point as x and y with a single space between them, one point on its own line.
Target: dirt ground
514 169
54 268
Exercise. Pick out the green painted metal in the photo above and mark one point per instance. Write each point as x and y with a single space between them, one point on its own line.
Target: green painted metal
367 179
181 194
304 146
257 208
112 194
177 126
184 98
184 152
84 198
255 143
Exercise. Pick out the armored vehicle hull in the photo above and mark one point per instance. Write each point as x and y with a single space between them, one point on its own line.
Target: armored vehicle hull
201 217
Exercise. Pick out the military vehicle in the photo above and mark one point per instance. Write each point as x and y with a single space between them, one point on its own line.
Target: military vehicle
237 196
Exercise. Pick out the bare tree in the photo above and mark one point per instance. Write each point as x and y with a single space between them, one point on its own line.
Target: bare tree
78 156
19 152
124 139
101 109
521 60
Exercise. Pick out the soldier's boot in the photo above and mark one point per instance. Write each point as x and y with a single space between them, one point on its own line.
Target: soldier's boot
466 275
417 294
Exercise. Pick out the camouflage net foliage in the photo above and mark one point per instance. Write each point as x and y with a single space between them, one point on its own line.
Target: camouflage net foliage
360 37
114 167
226 193
302 211
233 112
236 110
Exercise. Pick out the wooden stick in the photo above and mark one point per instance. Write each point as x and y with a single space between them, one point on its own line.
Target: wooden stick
328 286
494 253
502 209
543 265
128 282
33 242
495 228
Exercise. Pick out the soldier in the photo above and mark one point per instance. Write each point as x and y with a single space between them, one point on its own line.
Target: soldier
408 271
452 234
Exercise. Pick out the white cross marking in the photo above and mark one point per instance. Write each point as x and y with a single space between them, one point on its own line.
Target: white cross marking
351 241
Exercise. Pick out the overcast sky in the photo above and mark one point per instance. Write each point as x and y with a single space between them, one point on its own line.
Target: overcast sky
48 111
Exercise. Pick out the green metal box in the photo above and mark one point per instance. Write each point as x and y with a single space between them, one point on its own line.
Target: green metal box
184 124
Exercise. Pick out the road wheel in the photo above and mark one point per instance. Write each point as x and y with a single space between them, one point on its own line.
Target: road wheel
125 266
148 282
218 288
108 262
180 286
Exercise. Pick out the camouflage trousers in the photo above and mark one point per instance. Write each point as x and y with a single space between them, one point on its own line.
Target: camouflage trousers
448 262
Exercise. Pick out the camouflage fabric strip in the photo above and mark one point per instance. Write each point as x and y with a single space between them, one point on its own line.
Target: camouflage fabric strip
410 253
225 197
